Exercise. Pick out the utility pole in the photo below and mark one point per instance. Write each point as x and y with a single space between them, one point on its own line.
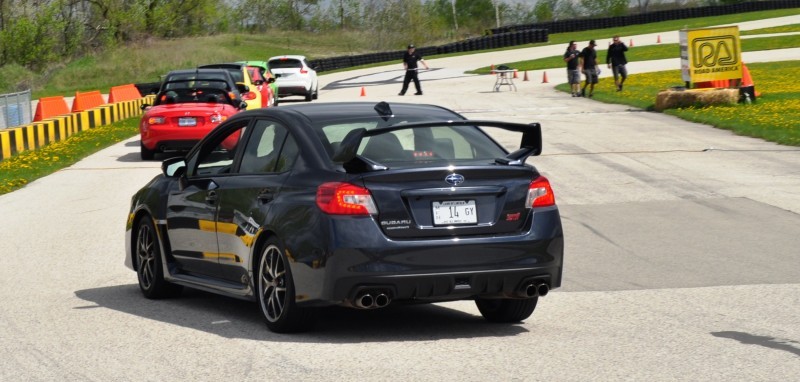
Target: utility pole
496 4
455 19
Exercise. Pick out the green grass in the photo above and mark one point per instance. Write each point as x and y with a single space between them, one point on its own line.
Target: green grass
25 167
779 29
775 116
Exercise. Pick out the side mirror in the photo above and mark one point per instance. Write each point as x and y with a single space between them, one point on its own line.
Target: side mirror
243 106
173 167
145 106
258 82
242 88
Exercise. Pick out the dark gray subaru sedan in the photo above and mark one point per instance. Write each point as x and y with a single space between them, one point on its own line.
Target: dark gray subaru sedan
354 204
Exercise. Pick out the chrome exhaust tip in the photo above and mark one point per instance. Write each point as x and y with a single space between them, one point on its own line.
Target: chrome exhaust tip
365 301
542 289
531 290
382 300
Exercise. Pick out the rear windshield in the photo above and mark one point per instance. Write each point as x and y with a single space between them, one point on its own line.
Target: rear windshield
409 147
286 63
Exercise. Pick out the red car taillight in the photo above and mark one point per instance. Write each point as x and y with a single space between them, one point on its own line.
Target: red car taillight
337 198
303 71
156 120
217 118
540 194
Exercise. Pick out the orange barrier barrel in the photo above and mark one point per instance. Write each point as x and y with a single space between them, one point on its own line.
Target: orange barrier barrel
87 100
50 107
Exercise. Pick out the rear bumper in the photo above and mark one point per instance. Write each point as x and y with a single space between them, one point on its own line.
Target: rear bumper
168 138
438 269
290 89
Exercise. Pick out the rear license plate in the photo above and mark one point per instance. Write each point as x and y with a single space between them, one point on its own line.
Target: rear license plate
454 212
187 121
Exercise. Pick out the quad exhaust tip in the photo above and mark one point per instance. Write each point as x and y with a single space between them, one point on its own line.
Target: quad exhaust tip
535 289
367 300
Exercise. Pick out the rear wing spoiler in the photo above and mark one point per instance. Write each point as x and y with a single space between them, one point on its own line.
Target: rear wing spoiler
530 144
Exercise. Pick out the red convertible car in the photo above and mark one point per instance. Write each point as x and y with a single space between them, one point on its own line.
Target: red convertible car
189 105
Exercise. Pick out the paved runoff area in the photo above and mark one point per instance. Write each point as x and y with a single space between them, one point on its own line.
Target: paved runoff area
681 259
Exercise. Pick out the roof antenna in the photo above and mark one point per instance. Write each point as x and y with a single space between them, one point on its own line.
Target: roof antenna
384 110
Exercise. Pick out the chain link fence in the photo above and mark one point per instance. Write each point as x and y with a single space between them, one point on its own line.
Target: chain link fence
15 109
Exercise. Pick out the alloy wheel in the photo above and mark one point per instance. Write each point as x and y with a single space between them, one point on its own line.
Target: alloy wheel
145 253
272 283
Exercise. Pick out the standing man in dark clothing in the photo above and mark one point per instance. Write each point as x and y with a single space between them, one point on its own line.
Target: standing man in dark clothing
573 74
588 64
410 59
616 61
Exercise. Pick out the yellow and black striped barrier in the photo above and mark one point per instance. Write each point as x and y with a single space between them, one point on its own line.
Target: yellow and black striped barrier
38 134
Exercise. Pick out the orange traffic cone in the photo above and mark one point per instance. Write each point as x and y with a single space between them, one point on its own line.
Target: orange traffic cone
544 78
515 73
658 41
492 72
363 92
746 79
525 77
631 44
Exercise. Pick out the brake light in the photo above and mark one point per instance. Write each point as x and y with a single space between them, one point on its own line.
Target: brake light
303 71
540 194
217 118
337 198
156 121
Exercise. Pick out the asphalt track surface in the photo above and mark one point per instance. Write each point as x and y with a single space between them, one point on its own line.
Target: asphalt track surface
681 260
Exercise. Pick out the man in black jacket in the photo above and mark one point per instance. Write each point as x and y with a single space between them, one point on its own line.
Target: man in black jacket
410 58
616 61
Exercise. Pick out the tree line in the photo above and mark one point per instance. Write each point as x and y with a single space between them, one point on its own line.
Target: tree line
39 33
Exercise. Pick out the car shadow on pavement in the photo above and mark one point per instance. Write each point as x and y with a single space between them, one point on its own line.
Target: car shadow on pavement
232 318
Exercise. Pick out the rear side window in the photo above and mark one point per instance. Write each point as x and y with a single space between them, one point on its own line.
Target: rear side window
285 64
270 149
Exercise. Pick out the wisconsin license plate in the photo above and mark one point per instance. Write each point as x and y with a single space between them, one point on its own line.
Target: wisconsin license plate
187 121
451 212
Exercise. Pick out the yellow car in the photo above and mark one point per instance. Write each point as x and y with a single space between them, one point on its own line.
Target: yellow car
244 82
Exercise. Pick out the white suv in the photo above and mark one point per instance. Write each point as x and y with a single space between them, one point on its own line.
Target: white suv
294 77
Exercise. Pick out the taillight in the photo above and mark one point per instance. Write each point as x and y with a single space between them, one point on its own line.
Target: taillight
303 71
217 118
156 121
337 198
540 194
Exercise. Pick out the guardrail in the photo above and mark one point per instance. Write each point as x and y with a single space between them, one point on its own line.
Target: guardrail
39 133
500 40
15 109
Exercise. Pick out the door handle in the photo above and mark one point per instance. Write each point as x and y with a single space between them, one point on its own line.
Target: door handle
266 195
211 197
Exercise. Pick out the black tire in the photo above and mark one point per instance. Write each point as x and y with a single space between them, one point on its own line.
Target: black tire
316 94
506 310
309 95
146 153
275 102
275 293
150 269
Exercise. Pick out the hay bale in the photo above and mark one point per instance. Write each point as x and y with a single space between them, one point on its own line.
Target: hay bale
675 98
